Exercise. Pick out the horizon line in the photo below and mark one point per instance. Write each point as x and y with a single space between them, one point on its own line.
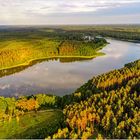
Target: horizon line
69 24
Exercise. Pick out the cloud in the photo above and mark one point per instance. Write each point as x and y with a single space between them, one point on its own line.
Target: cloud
66 6
31 10
56 6
3 87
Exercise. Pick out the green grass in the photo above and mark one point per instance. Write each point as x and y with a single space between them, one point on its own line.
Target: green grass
32 125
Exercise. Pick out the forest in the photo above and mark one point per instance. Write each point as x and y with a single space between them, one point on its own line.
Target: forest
70 69
121 32
107 106
20 47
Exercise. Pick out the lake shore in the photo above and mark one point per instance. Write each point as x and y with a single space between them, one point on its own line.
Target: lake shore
34 61
127 40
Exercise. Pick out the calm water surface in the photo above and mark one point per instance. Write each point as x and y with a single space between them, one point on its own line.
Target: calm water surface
54 77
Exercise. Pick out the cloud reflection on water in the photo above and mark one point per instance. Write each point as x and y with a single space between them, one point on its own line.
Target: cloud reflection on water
63 78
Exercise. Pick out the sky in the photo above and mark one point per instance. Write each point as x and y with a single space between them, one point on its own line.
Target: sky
53 12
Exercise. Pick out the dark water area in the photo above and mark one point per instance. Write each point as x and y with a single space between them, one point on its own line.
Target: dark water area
64 76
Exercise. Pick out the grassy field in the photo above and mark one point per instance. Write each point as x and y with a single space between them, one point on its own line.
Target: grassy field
32 125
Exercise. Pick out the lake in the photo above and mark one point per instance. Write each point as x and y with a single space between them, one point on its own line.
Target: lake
60 78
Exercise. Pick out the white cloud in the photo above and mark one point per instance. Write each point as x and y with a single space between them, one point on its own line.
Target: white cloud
57 6
3 87
21 10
